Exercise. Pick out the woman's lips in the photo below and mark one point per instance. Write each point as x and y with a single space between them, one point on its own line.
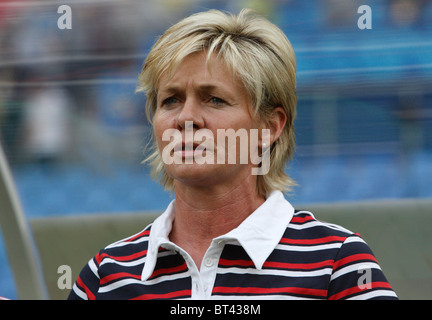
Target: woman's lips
190 149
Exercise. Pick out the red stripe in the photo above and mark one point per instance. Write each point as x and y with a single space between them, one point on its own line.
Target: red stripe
89 294
305 266
142 234
313 241
131 257
243 263
279 265
168 295
115 276
256 290
98 259
354 257
356 289
168 270
301 219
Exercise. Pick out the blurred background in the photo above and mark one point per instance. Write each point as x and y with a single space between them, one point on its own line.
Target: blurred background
73 129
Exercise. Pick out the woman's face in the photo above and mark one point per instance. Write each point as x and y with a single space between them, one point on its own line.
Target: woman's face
209 98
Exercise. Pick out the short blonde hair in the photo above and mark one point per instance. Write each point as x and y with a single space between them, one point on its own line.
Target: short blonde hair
257 52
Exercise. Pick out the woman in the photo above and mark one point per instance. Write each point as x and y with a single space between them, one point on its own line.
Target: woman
229 233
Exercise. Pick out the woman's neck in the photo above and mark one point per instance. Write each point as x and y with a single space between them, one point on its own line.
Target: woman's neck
203 214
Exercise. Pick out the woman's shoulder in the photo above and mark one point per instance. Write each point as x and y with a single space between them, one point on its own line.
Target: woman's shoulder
308 219
128 246
305 225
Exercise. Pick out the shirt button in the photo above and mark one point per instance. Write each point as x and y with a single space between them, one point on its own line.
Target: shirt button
208 262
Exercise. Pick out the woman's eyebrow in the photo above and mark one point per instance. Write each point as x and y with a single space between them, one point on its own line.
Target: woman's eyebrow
205 88
169 89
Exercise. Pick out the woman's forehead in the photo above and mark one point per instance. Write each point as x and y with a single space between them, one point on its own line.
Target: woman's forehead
205 71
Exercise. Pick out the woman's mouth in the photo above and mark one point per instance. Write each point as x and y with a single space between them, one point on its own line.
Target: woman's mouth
188 149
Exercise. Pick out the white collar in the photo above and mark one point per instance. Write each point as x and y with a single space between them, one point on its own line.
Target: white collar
258 234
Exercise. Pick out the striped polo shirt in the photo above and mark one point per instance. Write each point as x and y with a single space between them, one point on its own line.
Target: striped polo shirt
276 253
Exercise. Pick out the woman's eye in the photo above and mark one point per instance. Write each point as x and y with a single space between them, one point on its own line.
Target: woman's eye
170 101
216 100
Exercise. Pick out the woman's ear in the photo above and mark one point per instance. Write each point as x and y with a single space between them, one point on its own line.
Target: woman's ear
276 123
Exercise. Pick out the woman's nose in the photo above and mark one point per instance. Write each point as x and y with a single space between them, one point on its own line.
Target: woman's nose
190 111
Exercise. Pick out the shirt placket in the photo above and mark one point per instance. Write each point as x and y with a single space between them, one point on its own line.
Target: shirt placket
209 268
203 279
